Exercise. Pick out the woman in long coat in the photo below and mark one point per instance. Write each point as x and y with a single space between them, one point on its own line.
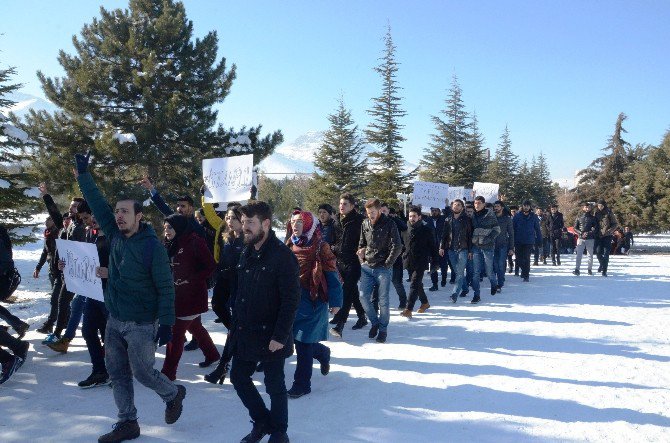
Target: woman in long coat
320 289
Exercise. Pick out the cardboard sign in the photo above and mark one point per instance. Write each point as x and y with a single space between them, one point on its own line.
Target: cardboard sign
456 192
228 179
487 190
81 259
430 195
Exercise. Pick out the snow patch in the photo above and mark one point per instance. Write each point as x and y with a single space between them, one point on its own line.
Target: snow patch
114 90
12 131
178 77
4 184
32 192
128 137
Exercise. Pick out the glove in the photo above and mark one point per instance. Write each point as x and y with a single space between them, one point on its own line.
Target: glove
82 162
164 335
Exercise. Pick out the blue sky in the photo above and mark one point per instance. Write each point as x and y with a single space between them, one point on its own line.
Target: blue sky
556 73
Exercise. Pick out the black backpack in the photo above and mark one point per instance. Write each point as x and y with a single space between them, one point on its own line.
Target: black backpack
11 281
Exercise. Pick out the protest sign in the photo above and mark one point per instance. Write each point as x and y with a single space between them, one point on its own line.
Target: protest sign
487 190
456 192
80 259
430 195
227 179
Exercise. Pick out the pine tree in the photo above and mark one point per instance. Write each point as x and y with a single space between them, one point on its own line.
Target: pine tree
443 162
339 163
475 157
386 176
524 186
607 175
16 203
139 93
544 192
504 167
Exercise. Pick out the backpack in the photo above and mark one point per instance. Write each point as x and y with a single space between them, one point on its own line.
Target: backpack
11 281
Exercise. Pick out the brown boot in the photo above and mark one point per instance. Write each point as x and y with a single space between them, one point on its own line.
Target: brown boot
423 308
61 345
406 313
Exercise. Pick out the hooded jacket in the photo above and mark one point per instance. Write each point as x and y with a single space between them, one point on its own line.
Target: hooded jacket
607 222
140 286
485 229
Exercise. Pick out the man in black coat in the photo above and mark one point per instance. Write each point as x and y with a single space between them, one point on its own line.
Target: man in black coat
265 307
436 221
347 235
556 228
420 250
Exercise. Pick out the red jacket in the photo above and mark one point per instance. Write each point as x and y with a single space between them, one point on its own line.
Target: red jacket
192 265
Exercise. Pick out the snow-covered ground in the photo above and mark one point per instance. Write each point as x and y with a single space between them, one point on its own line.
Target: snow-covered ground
561 358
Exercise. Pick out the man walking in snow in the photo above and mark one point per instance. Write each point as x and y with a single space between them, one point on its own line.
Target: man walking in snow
527 234
140 301
586 227
607 224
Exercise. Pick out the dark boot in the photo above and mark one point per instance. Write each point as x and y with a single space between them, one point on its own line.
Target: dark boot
337 330
218 375
360 323
257 433
123 430
174 407
192 345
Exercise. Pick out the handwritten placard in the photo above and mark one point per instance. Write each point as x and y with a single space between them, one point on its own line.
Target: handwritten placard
430 195
228 179
81 259
456 192
487 190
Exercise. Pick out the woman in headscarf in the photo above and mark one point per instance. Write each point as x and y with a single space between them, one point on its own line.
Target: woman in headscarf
320 289
192 264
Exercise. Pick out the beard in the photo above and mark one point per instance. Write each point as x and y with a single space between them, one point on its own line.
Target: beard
251 239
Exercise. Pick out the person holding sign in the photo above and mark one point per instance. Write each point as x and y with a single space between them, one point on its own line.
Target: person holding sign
140 301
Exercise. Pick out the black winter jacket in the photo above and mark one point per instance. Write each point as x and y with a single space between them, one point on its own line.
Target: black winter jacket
485 229
465 235
607 222
587 224
420 249
347 235
267 299
556 225
381 242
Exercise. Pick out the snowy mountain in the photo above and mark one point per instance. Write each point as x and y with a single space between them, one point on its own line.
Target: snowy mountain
26 102
298 157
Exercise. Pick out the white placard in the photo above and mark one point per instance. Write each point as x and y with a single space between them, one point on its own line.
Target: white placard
487 190
81 259
430 195
227 179
456 192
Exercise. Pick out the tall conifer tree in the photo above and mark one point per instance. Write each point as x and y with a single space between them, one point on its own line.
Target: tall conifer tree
504 167
386 177
139 92
543 188
445 160
16 203
339 163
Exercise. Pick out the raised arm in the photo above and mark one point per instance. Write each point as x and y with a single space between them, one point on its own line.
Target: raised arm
52 208
156 197
97 202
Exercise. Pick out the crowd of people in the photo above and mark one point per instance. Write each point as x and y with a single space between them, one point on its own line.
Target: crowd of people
272 295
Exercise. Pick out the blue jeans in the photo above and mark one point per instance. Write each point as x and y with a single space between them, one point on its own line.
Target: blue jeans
458 260
76 311
130 350
95 321
467 281
500 264
482 258
381 277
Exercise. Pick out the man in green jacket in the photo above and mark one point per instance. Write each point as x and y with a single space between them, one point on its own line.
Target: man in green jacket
140 301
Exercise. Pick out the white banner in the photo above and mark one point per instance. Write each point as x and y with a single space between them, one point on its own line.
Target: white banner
81 259
456 192
487 190
430 195
228 179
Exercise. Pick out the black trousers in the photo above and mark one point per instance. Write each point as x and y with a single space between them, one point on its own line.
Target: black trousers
556 250
10 318
350 273
603 248
396 279
7 340
56 287
240 377
64 300
221 301
416 288
93 330
523 258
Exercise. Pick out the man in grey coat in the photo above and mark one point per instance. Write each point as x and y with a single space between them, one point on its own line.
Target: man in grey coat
485 230
504 242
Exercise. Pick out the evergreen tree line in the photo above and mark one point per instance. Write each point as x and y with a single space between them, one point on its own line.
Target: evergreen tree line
455 154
